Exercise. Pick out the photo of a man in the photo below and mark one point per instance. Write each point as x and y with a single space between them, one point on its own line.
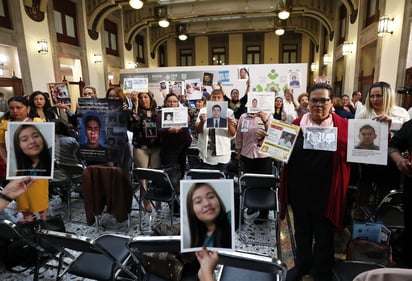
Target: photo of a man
294 81
367 136
217 121
92 127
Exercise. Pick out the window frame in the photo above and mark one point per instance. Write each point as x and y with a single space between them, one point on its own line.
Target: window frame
110 29
66 9
5 21
253 53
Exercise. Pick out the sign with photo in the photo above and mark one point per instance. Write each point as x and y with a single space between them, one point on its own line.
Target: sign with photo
30 147
260 101
102 129
204 203
318 138
280 139
135 84
174 117
59 93
193 89
216 114
367 141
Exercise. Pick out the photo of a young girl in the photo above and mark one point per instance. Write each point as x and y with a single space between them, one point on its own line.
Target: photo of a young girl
207 215
31 152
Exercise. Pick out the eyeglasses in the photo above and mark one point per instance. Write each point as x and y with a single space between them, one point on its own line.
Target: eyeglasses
378 97
320 101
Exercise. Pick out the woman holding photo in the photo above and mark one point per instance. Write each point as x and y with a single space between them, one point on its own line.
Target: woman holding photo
36 199
146 144
209 223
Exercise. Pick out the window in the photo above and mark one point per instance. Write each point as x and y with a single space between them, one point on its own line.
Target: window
253 55
4 15
162 56
64 21
110 38
140 49
342 24
289 53
186 57
219 56
372 11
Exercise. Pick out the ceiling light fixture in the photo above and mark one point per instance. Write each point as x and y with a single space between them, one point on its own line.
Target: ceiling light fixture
284 7
161 16
181 31
136 4
279 31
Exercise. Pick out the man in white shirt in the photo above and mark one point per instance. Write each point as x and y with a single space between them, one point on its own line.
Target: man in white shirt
356 101
214 143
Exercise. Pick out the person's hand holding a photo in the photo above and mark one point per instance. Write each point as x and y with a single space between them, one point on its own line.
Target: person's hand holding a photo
208 261
14 189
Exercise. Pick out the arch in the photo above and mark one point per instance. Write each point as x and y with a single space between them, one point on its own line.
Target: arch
158 42
97 17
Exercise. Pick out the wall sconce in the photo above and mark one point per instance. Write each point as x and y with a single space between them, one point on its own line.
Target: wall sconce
385 26
327 59
314 67
42 47
161 16
347 48
97 58
181 31
136 4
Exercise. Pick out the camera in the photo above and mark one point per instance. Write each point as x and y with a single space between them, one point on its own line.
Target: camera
405 91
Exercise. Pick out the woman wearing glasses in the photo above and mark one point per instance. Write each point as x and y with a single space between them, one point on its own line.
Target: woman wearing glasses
317 196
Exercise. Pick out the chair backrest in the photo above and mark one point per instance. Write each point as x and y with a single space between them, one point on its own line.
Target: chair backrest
258 180
247 266
390 210
155 244
70 169
68 241
204 174
159 178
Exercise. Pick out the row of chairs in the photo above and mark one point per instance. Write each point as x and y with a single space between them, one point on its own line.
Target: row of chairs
113 257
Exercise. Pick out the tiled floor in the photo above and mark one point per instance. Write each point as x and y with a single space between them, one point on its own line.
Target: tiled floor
264 232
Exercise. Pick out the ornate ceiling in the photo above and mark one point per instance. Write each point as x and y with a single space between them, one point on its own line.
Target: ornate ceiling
206 17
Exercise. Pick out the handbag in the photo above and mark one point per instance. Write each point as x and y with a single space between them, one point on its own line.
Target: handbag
365 250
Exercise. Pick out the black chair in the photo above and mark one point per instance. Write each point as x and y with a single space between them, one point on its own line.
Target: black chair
159 188
204 174
348 270
27 253
73 178
259 191
103 258
232 265
390 211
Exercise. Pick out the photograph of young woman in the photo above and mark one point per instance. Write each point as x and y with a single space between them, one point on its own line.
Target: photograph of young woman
31 152
208 219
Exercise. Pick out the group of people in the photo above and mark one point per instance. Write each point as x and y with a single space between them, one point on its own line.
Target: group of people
317 196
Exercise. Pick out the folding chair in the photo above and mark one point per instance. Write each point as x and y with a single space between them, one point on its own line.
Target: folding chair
103 258
259 191
69 183
159 188
232 265
35 256
247 266
204 174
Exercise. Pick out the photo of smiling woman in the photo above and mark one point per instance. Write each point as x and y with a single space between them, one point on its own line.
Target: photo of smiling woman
31 151
208 219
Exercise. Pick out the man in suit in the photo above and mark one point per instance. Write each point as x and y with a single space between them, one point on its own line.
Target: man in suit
216 121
